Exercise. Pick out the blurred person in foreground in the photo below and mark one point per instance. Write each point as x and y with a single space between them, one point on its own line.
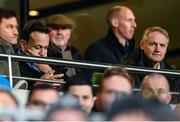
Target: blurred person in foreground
156 85
135 108
66 109
8 102
42 97
115 83
83 90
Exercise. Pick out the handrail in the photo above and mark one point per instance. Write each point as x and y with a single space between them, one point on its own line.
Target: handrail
86 64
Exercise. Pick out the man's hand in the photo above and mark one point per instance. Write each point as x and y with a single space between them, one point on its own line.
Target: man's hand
43 67
50 76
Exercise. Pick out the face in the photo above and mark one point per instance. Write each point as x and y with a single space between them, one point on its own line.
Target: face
67 115
60 36
132 116
155 46
157 86
84 95
8 30
112 86
38 44
6 100
125 24
42 99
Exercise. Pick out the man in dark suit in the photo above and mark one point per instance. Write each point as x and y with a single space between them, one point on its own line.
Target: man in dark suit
119 40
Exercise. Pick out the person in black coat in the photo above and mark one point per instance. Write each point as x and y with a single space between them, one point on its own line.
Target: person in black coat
119 40
151 53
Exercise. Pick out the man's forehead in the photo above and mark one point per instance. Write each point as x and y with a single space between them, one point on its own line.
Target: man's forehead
11 20
80 89
154 34
156 81
85 87
126 14
155 38
35 37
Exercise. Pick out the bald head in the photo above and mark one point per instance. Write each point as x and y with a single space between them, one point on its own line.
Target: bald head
122 21
158 85
116 11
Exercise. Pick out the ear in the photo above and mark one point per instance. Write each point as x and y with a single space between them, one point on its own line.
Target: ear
169 98
114 22
94 99
23 44
142 45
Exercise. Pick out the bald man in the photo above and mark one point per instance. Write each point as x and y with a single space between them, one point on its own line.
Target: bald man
119 40
156 85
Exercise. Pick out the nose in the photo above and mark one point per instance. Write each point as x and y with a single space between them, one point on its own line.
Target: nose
43 52
81 101
157 48
134 24
59 30
15 31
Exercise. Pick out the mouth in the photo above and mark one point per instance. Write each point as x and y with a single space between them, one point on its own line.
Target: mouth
15 37
157 55
131 31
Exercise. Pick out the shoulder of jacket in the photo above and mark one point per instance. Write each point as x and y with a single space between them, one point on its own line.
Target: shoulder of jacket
5 47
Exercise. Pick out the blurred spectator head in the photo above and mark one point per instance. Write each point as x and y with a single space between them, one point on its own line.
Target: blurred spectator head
8 105
66 109
42 97
83 90
7 99
156 85
114 83
8 26
122 21
60 30
154 43
135 108
35 38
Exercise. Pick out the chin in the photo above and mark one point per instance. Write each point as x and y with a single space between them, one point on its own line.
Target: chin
156 60
13 43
